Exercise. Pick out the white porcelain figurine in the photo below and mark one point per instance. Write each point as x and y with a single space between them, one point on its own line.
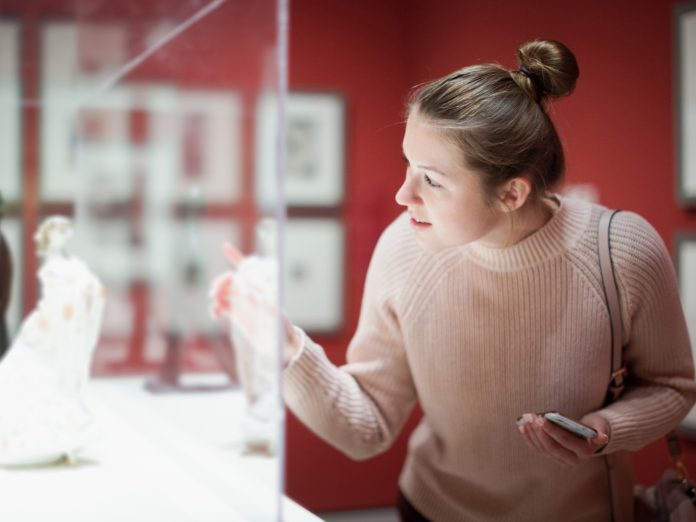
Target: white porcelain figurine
247 297
43 416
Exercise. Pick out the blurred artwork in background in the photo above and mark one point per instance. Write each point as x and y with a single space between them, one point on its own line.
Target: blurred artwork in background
247 297
43 414
5 285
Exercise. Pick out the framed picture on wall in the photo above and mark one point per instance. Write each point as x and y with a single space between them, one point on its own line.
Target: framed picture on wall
210 143
314 283
685 110
74 63
315 151
686 271
201 133
196 260
105 244
10 109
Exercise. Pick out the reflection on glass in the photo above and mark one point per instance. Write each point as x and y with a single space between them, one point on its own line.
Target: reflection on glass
138 121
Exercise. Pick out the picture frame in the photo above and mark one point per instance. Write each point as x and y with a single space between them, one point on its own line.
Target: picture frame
685 102
314 174
197 260
10 111
314 286
105 244
686 273
72 115
210 127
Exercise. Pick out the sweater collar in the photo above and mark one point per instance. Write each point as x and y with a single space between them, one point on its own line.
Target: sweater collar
556 236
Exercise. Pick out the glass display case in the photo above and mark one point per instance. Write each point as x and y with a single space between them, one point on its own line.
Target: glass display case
141 123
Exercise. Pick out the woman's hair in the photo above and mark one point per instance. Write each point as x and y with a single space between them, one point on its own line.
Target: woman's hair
46 228
497 117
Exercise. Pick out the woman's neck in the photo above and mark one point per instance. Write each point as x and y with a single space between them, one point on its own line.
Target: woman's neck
538 216
523 223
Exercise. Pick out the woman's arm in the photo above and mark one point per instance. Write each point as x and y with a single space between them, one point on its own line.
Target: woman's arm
660 388
360 407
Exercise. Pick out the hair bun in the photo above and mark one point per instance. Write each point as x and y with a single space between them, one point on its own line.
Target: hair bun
550 66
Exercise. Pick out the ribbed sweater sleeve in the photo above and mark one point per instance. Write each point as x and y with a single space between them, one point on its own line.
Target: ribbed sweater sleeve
660 387
360 408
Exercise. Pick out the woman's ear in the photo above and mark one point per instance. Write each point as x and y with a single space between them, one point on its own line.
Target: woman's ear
514 194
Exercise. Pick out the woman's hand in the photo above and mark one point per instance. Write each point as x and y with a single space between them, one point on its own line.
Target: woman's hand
222 286
246 296
561 445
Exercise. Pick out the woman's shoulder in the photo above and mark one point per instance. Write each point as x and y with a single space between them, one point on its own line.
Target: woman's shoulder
396 251
633 235
397 234
641 259
397 243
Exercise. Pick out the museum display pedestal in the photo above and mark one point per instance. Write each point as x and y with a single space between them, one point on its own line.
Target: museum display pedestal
174 457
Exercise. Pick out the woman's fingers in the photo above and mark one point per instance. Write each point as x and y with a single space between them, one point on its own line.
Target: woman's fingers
219 294
601 426
526 428
233 255
556 448
249 303
553 441
581 447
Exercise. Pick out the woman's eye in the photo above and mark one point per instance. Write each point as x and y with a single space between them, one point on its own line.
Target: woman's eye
431 182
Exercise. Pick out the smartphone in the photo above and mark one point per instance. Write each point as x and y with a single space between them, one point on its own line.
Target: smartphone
570 425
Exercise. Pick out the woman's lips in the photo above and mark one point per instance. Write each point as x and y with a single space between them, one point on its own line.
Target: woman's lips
419 225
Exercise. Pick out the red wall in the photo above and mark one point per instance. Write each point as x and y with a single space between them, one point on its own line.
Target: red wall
617 128
355 49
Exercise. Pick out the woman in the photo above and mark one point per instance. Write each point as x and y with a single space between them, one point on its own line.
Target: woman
484 303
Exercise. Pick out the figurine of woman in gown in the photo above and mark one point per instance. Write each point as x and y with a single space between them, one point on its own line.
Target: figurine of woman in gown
254 336
43 416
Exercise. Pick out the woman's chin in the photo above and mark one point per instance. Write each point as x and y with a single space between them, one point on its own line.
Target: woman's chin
429 243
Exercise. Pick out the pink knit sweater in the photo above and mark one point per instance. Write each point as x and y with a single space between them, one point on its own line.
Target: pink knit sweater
479 336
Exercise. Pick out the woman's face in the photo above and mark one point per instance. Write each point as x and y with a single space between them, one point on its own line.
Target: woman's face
443 197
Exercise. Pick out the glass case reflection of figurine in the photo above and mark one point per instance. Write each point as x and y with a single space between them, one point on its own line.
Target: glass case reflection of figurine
182 330
247 297
43 415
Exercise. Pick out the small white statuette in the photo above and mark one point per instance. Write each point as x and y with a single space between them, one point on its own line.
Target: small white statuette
43 416
247 296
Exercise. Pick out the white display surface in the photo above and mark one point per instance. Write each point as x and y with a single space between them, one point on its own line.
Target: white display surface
173 457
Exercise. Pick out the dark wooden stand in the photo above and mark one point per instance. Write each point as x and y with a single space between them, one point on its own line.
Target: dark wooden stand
168 379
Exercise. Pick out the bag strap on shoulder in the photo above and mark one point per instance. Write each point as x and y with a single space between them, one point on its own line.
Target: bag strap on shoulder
618 370
611 296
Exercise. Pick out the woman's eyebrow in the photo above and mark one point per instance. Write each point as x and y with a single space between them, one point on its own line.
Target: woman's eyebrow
423 167
432 169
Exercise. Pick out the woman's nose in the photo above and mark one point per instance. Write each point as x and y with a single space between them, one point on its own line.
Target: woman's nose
407 193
